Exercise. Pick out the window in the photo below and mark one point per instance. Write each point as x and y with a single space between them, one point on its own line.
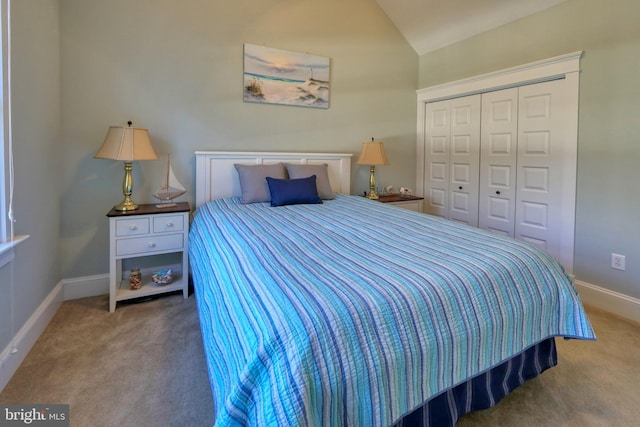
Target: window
5 137
7 238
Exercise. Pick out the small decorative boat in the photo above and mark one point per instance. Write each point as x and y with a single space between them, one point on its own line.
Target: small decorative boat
170 188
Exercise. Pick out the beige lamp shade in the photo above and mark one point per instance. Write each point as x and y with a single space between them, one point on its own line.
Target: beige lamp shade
127 144
372 154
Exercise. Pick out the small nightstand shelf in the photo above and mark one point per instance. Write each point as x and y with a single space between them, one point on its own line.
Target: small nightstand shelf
412 203
148 287
155 234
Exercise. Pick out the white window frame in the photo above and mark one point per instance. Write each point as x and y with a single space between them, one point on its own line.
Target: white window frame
5 143
7 238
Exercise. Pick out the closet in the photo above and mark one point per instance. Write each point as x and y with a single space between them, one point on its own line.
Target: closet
504 159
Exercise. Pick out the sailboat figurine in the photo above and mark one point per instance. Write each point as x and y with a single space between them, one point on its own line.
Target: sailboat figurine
170 188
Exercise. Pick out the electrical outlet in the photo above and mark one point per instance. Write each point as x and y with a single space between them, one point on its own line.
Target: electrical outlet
618 261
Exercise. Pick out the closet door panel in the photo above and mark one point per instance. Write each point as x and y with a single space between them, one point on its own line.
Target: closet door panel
437 134
542 141
464 159
498 156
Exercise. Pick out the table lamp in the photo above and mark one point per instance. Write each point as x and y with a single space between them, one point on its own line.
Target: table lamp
372 154
127 144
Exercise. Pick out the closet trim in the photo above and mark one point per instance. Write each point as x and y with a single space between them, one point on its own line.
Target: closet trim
534 72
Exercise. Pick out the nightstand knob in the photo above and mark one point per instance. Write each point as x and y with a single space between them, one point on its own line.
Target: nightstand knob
498 192
133 227
152 245
169 224
460 188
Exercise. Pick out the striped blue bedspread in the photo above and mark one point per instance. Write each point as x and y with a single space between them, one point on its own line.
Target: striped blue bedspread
353 313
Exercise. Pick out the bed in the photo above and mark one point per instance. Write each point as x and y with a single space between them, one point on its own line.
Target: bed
350 312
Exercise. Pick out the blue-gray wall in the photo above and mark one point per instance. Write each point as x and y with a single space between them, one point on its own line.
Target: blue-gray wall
176 68
609 126
35 72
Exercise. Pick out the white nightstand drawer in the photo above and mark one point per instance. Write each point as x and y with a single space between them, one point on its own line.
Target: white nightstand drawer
415 205
168 223
412 203
147 244
132 226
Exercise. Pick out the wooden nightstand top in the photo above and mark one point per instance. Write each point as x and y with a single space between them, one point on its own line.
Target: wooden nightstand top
391 198
151 208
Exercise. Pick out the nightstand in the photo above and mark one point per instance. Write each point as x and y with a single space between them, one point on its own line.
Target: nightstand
151 239
413 203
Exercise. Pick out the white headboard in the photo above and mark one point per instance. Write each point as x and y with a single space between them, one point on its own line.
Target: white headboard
217 178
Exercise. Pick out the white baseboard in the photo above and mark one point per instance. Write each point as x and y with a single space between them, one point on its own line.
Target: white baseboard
27 336
88 286
13 355
607 300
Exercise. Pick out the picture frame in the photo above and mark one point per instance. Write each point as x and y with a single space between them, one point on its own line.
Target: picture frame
277 76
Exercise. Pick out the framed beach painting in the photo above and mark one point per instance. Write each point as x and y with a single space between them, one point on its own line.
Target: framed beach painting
276 76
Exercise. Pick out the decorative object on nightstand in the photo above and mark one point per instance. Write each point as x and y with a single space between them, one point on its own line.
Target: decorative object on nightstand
372 154
404 191
135 279
127 144
169 189
162 277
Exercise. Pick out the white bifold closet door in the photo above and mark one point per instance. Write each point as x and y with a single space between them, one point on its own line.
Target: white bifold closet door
453 158
499 152
546 166
502 161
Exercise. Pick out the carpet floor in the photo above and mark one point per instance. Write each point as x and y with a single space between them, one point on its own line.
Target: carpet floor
144 365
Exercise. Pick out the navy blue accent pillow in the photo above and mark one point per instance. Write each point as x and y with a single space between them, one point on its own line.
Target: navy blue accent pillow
293 191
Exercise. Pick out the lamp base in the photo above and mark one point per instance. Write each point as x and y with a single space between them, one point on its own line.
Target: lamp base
126 205
127 184
373 195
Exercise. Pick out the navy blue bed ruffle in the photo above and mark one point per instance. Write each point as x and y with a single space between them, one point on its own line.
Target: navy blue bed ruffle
485 390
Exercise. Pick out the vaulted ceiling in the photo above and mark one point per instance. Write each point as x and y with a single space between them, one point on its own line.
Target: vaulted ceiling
432 24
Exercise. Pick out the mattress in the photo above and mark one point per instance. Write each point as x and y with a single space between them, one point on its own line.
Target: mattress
353 312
